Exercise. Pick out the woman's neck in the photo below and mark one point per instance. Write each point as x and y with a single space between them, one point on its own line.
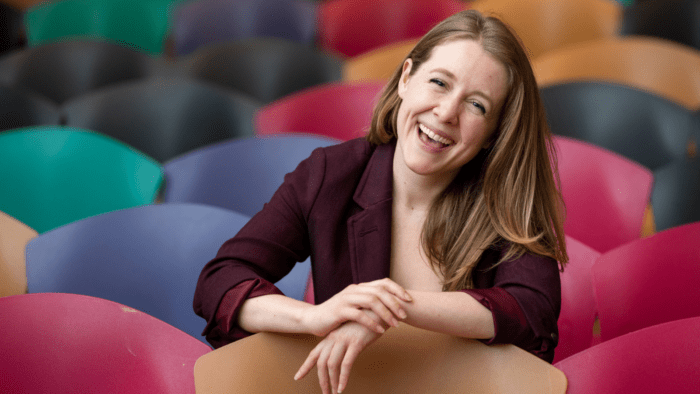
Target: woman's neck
416 192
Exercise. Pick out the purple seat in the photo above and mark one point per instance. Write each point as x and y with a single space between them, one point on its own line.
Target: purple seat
578 308
649 281
68 343
148 258
658 359
605 194
202 22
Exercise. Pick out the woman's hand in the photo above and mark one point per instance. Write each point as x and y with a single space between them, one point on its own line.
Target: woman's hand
354 303
335 355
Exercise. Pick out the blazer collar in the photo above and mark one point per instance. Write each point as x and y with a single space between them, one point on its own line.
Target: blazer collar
369 230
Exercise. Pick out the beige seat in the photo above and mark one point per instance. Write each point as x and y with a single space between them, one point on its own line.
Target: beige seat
403 360
660 66
545 25
14 236
377 64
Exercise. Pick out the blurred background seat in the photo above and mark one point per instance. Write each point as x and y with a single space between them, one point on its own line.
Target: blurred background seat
657 359
352 27
379 63
649 281
73 343
21 108
265 68
605 194
662 67
676 194
11 30
578 307
242 175
545 25
198 23
338 110
163 116
136 24
14 236
54 175
641 126
64 70
147 258
676 20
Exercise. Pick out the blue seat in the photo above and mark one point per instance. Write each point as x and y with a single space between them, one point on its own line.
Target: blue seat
148 258
202 22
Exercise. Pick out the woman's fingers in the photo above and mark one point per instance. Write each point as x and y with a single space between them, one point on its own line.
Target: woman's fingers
308 363
321 368
346 365
333 364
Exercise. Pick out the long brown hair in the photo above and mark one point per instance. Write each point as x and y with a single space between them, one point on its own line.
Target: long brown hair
508 195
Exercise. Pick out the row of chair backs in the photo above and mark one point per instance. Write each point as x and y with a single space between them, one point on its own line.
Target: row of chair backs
78 344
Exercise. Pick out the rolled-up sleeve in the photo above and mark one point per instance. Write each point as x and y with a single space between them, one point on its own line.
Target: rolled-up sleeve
525 300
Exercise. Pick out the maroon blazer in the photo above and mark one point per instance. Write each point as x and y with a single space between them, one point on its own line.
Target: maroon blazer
336 208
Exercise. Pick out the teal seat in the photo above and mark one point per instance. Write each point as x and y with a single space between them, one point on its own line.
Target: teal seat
55 175
139 24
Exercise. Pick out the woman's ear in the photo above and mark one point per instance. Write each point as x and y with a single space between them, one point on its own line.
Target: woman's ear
405 75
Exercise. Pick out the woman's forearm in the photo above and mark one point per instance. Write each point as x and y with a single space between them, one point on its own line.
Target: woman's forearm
453 313
273 313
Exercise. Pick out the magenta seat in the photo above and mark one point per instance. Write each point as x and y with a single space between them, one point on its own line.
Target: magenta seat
658 359
649 281
578 307
352 27
68 343
605 194
337 110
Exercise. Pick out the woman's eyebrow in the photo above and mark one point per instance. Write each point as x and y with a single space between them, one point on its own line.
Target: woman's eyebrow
450 75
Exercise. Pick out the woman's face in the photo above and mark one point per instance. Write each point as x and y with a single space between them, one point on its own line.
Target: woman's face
450 107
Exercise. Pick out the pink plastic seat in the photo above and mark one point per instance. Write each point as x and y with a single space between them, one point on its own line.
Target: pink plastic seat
338 110
352 27
649 281
578 307
658 359
67 343
605 194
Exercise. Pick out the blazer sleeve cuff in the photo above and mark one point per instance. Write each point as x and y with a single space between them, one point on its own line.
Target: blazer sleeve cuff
509 321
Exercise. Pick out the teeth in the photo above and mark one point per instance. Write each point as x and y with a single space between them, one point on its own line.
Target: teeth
434 136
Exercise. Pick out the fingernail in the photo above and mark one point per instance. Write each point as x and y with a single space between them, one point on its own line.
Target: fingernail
403 314
408 297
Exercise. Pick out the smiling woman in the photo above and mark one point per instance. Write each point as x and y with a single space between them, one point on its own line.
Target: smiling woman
446 216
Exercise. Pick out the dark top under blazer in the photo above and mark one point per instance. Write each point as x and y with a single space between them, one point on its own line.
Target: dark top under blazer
336 207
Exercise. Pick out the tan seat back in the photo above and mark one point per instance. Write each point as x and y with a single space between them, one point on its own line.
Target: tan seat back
378 64
404 360
14 236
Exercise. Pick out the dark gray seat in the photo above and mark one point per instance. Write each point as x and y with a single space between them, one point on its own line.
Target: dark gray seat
676 194
675 20
19 108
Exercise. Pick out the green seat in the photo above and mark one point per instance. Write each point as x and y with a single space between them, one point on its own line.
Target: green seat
139 24
55 175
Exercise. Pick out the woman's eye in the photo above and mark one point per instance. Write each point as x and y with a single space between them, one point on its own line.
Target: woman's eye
438 82
479 106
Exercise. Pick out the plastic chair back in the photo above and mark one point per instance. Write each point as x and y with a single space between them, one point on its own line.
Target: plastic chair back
648 129
137 24
67 343
656 359
342 111
147 258
352 27
379 63
64 70
649 281
547 25
51 176
605 194
676 195
661 67
676 20
405 359
19 108
206 21
265 68
578 308
164 117
14 236
10 28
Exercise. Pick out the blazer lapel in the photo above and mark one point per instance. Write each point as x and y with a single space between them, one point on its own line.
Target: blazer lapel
369 231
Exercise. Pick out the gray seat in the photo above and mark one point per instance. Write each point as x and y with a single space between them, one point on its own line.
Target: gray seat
20 108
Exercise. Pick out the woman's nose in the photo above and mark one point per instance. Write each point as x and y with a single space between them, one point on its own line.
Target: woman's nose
447 110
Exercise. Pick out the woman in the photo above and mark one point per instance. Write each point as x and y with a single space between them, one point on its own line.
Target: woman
446 217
